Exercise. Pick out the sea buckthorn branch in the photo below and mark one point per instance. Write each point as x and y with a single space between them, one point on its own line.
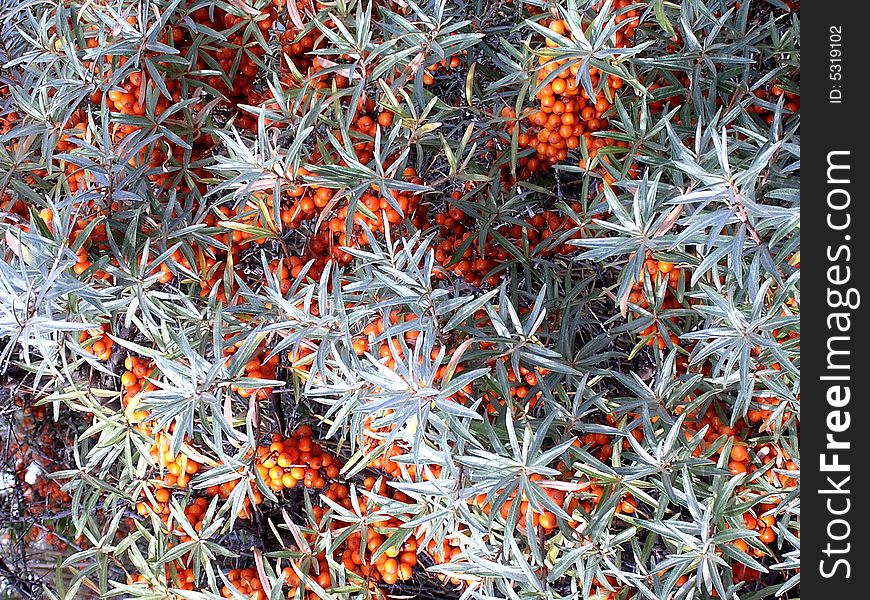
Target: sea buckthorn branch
378 298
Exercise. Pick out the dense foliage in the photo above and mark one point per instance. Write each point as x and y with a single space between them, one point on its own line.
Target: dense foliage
358 298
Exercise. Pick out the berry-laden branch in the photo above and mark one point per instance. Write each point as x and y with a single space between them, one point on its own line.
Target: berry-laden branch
375 299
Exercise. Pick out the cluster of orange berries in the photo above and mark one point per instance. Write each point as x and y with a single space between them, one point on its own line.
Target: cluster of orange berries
129 97
376 561
390 349
194 513
394 562
455 227
178 467
236 58
240 66
366 120
657 271
261 366
746 458
43 535
246 582
385 457
134 380
767 406
447 551
98 342
318 213
76 177
545 519
282 464
375 328
601 444
442 66
521 385
716 429
372 562
174 574
96 235
296 47
567 115
584 496
176 471
9 119
381 213
743 458
765 526
771 95
289 461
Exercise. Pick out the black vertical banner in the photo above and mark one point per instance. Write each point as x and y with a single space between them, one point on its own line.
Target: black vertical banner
835 294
